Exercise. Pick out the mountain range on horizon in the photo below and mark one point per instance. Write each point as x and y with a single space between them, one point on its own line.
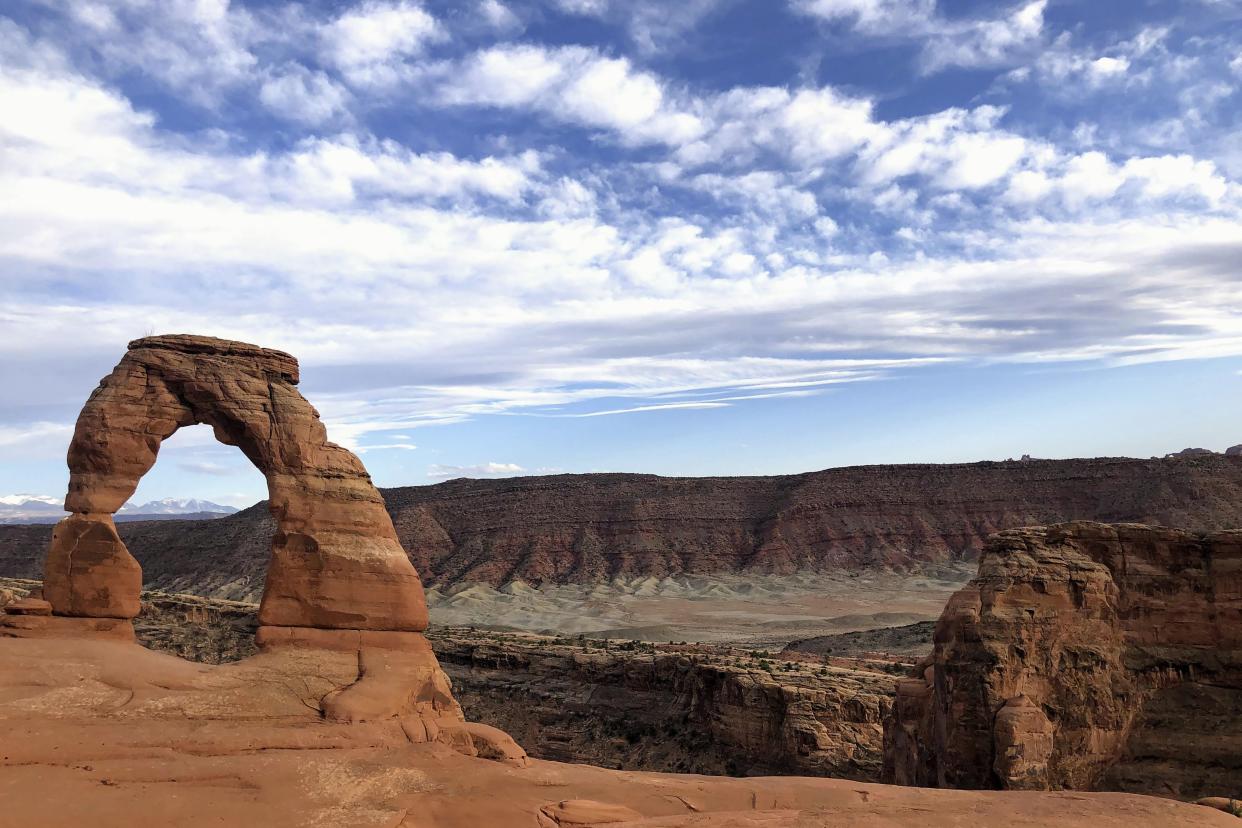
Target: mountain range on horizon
36 508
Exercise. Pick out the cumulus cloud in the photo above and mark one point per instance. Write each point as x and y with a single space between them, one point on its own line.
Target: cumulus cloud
299 94
992 42
660 245
498 16
366 41
438 470
575 84
945 41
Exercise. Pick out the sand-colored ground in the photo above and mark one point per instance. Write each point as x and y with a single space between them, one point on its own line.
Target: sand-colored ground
110 734
753 610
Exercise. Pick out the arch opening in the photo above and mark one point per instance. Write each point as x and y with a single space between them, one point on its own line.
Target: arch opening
335 562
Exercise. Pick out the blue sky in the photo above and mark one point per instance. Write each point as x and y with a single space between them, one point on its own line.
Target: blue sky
710 237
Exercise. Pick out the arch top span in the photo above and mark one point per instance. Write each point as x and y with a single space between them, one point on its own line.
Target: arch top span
336 562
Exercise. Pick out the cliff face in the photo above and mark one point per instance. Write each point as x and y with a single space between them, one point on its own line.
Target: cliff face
631 706
669 711
587 528
1083 656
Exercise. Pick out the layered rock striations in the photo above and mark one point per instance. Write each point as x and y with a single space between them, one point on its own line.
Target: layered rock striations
338 580
590 528
335 559
683 709
1083 656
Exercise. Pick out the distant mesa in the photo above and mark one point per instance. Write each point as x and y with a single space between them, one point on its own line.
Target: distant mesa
1197 452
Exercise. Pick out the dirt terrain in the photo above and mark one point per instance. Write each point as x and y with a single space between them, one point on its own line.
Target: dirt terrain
910 641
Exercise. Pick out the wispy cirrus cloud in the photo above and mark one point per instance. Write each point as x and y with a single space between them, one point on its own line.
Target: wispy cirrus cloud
448 219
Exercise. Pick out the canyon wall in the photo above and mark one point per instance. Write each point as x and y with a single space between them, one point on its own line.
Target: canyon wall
1083 656
622 705
646 708
589 528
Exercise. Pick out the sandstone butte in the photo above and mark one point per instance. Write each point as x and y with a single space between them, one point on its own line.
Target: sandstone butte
1083 656
344 716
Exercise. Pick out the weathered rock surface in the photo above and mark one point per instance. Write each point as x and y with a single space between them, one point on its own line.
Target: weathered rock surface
1083 656
128 738
625 705
591 528
338 584
335 559
688 709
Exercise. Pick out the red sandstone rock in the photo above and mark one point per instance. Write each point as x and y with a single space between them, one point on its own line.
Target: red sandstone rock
335 562
89 572
28 606
339 581
1083 656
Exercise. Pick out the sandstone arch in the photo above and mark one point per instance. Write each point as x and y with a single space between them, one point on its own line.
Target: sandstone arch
336 562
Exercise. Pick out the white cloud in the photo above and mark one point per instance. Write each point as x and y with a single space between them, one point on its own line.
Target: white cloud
523 282
482 470
1092 177
589 8
199 48
946 42
345 168
1067 72
498 16
298 94
366 41
873 16
985 42
573 83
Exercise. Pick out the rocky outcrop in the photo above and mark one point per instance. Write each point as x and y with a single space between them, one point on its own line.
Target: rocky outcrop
335 559
114 736
624 705
686 709
1083 656
591 528
338 580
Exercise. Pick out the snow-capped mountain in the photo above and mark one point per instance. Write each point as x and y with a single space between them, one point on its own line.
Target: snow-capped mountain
30 508
24 499
33 508
174 506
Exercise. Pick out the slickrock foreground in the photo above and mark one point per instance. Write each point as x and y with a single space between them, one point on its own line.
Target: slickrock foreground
127 737
1083 656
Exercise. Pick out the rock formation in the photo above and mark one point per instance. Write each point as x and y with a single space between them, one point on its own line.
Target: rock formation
590 528
338 578
1083 656
130 738
335 561
670 708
